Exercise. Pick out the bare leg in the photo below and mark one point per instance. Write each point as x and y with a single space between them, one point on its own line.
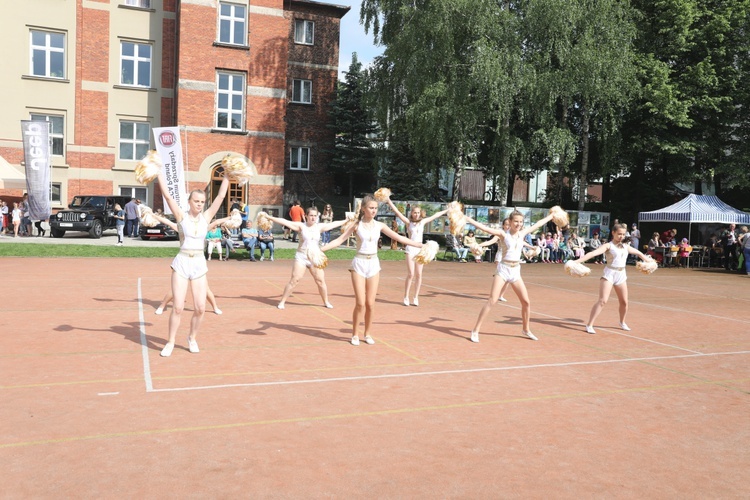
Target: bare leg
622 296
371 291
319 277
211 299
298 270
360 294
166 300
199 287
409 277
523 296
179 291
418 268
605 287
497 284
502 292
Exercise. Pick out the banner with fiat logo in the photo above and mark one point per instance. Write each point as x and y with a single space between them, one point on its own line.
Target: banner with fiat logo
36 151
169 147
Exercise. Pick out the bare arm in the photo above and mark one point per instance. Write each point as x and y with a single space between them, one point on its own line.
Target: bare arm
491 241
535 227
171 203
395 236
217 222
342 238
635 251
396 211
594 253
434 216
210 212
493 231
332 225
295 226
166 222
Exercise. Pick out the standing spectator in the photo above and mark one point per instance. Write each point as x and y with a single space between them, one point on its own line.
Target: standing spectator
668 237
119 223
25 220
250 239
131 218
4 215
245 214
16 216
744 241
296 214
729 242
325 218
635 237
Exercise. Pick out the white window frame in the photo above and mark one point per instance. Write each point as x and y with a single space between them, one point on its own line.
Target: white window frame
297 156
47 51
54 135
304 29
141 4
134 141
136 60
231 92
235 23
137 192
298 91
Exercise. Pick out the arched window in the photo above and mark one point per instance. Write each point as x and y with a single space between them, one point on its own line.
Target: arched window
235 191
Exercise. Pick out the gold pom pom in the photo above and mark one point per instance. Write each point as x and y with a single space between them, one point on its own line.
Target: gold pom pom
456 217
237 169
476 250
559 217
147 168
647 266
235 220
263 222
147 216
576 269
428 252
316 257
382 194
531 253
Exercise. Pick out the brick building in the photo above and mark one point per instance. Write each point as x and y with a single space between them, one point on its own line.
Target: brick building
248 77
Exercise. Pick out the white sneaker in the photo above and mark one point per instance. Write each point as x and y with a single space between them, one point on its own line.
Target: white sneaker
590 329
529 335
218 311
369 340
625 327
261 258
415 302
329 305
355 340
167 351
159 310
280 306
474 337
406 302
503 299
193 345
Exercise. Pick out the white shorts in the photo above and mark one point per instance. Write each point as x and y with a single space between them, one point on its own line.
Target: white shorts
301 257
510 274
190 264
614 276
410 250
366 267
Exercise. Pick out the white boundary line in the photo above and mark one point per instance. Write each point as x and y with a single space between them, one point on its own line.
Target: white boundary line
445 372
144 343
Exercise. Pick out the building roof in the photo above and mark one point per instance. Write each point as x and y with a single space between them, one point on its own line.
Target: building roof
341 9
696 208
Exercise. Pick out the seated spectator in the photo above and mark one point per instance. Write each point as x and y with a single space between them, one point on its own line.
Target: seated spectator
214 241
653 244
265 240
544 254
458 246
469 240
715 251
594 244
577 246
684 252
228 241
250 239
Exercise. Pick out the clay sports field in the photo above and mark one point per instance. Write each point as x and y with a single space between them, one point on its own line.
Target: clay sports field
278 404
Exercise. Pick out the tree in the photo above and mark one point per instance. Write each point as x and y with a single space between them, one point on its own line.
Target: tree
353 155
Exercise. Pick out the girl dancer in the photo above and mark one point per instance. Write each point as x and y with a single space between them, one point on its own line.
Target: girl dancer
414 228
365 268
309 235
509 268
614 274
189 266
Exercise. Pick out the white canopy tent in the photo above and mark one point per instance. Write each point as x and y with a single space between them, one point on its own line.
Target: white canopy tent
697 209
10 177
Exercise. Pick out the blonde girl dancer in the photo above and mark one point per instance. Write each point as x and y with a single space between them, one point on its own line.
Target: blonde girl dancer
415 225
309 235
614 274
189 266
365 270
509 269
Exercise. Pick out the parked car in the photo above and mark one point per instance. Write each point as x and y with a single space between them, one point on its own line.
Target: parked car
93 214
158 232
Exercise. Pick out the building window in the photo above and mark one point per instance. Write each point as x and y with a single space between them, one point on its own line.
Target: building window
134 140
47 54
55 194
299 159
137 192
143 4
232 23
230 100
302 91
303 31
135 64
56 131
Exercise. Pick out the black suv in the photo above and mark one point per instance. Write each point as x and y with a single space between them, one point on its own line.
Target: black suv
91 214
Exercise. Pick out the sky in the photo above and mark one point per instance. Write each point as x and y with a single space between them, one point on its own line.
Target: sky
353 38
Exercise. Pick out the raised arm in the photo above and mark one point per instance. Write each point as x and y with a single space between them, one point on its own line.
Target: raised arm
174 207
490 230
395 236
535 227
434 216
397 212
210 212
166 222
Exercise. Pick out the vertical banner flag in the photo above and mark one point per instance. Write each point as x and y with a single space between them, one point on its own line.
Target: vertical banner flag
169 147
36 151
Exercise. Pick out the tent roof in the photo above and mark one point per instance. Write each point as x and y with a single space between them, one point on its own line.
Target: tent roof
696 209
10 178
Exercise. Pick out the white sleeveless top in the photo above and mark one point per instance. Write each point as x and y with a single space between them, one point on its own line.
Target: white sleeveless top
510 247
367 238
619 255
194 232
309 236
415 230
